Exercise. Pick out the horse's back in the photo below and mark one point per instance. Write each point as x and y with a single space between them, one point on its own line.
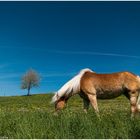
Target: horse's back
103 79
108 85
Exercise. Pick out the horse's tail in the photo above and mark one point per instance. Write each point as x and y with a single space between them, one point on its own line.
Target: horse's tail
72 87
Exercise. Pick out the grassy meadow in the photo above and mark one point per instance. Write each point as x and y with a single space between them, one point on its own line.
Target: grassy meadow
32 117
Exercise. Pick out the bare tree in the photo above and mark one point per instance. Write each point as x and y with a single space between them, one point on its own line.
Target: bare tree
30 79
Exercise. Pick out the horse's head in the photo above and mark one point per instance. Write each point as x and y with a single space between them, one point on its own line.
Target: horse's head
60 104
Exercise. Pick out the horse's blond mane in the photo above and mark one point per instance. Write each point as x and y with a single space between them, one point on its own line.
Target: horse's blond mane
71 87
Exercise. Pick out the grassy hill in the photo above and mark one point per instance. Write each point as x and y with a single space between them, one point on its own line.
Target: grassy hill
32 117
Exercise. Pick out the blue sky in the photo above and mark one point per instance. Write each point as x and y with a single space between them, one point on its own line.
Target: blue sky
58 39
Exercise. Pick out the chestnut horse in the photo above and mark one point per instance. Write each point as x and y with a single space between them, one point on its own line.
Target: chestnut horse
92 86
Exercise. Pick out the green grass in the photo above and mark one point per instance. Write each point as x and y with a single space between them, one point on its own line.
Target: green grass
32 117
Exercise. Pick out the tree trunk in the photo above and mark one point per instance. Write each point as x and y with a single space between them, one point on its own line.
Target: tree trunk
28 93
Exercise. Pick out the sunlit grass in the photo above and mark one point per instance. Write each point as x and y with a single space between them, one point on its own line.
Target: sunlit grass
32 117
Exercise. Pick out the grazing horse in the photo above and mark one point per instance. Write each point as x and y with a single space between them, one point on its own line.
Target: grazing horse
92 86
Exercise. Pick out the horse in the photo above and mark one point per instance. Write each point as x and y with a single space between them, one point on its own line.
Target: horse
92 86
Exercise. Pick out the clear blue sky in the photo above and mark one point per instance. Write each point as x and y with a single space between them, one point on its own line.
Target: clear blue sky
59 38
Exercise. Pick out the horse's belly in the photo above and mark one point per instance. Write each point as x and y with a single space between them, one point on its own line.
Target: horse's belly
108 94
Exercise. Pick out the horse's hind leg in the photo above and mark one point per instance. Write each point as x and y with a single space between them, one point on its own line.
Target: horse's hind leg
133 102
138 102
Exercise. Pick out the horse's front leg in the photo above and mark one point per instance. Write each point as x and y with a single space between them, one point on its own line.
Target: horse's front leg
86 101
86 105
93 101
